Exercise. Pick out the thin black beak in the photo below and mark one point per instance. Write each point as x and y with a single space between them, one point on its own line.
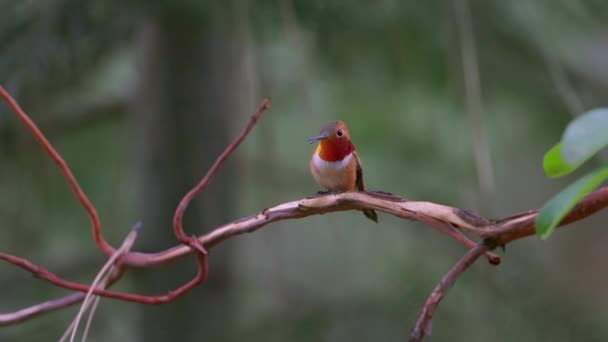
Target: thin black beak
317 138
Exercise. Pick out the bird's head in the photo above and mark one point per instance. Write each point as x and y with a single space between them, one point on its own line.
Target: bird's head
334 141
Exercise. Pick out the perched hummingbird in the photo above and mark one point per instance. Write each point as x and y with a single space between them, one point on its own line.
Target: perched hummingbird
335 164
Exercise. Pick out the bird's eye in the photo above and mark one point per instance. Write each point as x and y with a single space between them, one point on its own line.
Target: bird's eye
339 133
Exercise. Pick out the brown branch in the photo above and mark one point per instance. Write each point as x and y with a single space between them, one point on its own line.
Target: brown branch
349 201
514 227
518 227
40 309
178 229
51 305
523 226
82 198
193 243
449 220
43 273
424 324
183 205
432 213
397 206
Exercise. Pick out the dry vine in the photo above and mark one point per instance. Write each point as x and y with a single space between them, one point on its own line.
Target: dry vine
452 221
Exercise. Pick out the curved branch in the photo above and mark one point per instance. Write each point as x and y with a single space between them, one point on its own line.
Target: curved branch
426 211
82 198
183 204
515 227
501 231
178 229
424 324
450 220
435 214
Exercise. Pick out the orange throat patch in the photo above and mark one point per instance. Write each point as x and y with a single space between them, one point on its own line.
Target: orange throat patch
331 150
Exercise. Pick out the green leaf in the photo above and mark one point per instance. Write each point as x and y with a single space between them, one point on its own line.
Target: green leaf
585 136
558 206
554 165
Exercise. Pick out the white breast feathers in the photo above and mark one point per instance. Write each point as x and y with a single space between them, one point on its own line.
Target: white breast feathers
324 165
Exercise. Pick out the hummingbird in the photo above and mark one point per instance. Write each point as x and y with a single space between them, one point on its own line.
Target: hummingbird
335 165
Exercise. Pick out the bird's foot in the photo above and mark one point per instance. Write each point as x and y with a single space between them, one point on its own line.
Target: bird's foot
328 192
380 192
324 193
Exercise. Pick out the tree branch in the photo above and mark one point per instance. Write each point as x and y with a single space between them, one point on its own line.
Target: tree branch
450 220
523 225
82 198
425 321
435 214
516 227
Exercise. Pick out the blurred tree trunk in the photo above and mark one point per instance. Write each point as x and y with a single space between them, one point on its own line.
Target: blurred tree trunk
182 110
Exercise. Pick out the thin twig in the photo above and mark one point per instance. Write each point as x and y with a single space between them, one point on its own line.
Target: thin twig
87 327
82 198
54 279
52 305
104 275
86 302
183 205
178 229
424 324
39 309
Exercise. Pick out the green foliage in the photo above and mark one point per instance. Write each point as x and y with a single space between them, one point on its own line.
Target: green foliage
585 136
554 165
555 210
582 139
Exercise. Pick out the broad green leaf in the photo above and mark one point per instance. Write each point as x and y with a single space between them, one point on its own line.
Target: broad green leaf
554 165
558 206
585 136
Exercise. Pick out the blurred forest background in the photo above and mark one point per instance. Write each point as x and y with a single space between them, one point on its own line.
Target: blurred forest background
447 101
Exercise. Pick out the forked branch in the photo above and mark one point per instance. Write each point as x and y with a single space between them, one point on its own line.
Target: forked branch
457 223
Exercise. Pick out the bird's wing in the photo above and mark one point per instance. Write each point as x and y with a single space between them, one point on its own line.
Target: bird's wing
369 213
359 180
